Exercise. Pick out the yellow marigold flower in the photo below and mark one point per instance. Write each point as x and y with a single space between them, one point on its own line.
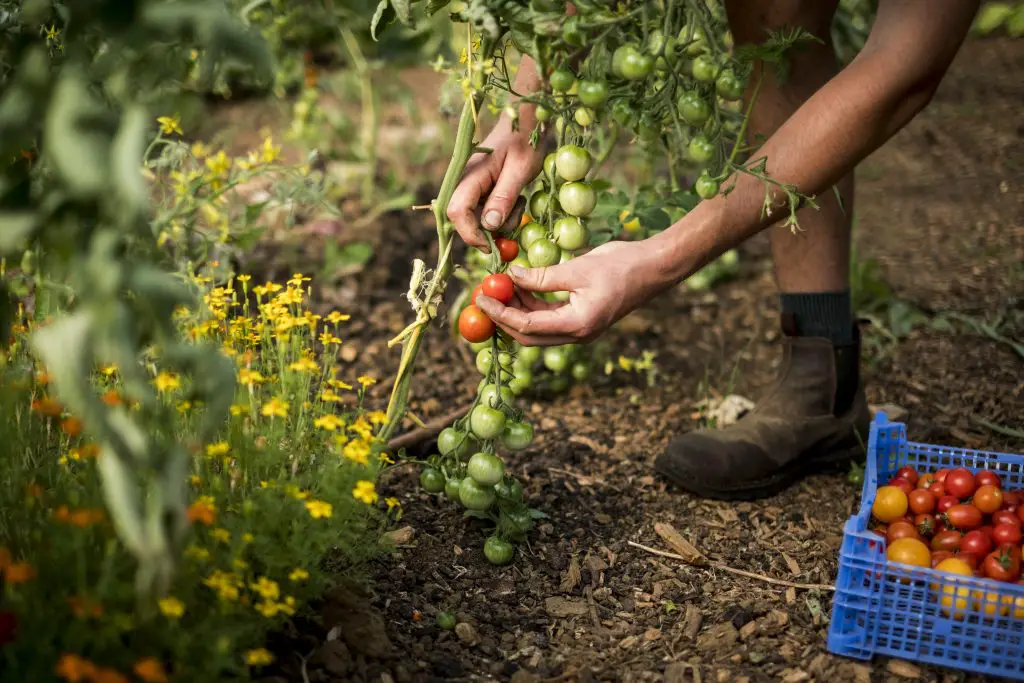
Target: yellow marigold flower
366 381
357 451
334 317
270 151
219 164
295 492
304 364
267 588
329 396
150 670
172 607
197 553
362 428
377 417
219 448
170 125
244 278
250 377
222 535
329 422
19 572
239 564
275 407
184 406
239 409
247 538
392 502
227 585
326 338
108 370
258 657
267 609
195 480
319 509
338 384
365 491
75 669
167 381
298 574
199 150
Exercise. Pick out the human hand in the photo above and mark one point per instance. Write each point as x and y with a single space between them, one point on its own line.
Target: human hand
604 285
488 194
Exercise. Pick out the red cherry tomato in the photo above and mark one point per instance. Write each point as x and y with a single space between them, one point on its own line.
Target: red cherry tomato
1003 563
970 558
1020 513
986 478
500 287
941 475
474 325
940 555
925 481
947 540
1006 517
946 502
898 530
1011 500
988 499
987 530
908 473
960 483
976 542
921 501
508 249
963 517
1006 533
925 524
902 483
938 489
477 291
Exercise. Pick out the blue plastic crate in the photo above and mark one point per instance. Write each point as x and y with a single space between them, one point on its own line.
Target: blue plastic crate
918 614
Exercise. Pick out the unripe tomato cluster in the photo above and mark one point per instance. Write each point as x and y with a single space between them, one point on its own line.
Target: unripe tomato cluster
955 521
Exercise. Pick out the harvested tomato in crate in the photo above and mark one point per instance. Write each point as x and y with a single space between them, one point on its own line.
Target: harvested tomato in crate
930 567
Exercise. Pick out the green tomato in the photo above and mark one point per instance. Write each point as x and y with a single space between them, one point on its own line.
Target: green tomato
656 42
631 64
577 199
489 396
561 296
486 423
584 117
474 496
571 233
521 382
560 126
509 488
543 114
517 436
728 86
566 257
556 359
593 94
695 39
453 442
572 33
705 69
452 489
694 109
446 620
558 384
624 114
580 372
520 519
539 203
484 358
700 149
543 253
530 233
477 347
549 165
530 355
521 260
562 80
572 162
432 480
498 551
706 186
486 469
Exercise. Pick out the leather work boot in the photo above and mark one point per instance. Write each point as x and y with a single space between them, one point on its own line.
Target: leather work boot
815 417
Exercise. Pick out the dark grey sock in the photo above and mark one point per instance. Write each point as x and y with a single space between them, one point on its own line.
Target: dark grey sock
821 314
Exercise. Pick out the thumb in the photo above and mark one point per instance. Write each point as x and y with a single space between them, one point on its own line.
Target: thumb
502 199
560 278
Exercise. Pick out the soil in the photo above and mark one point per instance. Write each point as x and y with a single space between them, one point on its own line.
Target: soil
940 208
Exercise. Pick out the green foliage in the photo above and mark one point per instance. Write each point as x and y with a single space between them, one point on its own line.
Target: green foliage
1000 16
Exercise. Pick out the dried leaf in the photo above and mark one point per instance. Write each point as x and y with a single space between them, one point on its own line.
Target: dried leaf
572 577
791 563
684 548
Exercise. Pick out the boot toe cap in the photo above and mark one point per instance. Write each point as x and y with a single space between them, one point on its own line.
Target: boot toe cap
702 461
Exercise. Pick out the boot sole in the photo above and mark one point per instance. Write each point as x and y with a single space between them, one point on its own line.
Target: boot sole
831 462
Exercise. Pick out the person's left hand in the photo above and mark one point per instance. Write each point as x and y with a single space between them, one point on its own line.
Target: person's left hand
604 285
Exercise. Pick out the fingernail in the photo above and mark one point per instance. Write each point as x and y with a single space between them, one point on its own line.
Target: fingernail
517 271
492 219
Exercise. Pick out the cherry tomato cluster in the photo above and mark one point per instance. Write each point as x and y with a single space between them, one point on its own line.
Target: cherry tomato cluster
954 521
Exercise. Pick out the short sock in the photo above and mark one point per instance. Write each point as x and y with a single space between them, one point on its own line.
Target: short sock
828 315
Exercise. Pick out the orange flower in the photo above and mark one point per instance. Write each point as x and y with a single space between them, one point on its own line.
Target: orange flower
74 669
201 511
71 426
86 517
150 670
84 608
33 490
62 513
47 407
5 558
112 398
109 676
19 572
89 450
43 377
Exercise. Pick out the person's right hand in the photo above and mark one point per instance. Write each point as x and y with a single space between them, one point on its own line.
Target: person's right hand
487 196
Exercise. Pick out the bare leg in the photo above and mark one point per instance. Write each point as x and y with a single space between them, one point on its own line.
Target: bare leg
818 258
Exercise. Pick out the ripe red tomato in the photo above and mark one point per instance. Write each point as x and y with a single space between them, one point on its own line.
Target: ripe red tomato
925 481
474 325
938 489
976 542
1020 513
901 483
947 540
1006 517
946 502
1006 533
960 483
898 530
986 478
507 249
1003 563
908 473
921 501
963 517
500 287
970 558
1011 500
477 291
987 530
940 555
925 524
941 475
988 499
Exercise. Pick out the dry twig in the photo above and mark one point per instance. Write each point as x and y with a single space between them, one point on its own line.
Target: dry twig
428 431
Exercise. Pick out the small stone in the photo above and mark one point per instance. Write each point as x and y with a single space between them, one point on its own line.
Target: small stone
565 607
652 634
720 637
400 537
795 676
629 642
903 669
602 518
749 629
722 676
467 634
